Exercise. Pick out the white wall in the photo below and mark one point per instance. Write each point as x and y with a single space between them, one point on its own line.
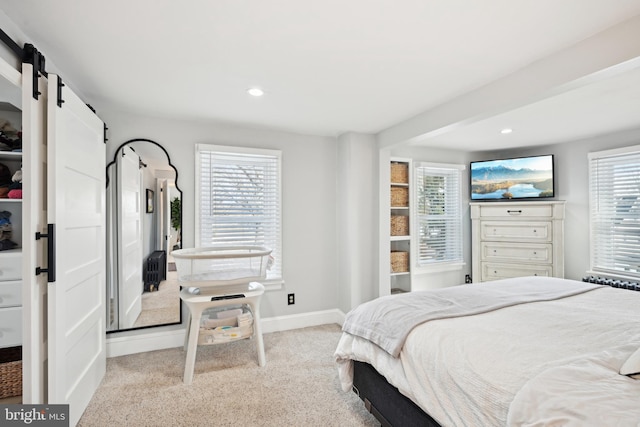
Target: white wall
357 218
309 174
572 185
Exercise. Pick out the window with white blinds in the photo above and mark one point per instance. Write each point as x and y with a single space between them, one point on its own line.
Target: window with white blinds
239 199
438 212
614 201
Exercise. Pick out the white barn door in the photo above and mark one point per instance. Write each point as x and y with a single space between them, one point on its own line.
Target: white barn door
34 220
76 205
129 237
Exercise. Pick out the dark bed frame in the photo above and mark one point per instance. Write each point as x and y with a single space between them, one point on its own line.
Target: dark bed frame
385 402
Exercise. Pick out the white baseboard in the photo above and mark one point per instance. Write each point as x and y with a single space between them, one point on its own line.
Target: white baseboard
150 341
303 320
143 342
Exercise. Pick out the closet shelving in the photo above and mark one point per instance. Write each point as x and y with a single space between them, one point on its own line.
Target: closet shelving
13 160
10 259
400 224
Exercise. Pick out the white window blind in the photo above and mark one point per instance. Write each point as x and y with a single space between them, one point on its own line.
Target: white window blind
239 199
614 187
438 213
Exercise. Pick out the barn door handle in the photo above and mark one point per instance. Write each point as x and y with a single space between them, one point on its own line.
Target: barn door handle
51 253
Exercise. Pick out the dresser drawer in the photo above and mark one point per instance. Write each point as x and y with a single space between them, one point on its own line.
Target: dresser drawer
10 293
10 326
517 252
10 265
516 231
517 211
495 271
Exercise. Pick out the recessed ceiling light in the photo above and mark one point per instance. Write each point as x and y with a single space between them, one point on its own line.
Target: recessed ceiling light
255 91
506 131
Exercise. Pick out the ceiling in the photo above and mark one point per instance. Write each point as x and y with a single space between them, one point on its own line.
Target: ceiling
599 108
329 67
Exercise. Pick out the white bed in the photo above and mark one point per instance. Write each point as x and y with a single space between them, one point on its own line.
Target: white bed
545 362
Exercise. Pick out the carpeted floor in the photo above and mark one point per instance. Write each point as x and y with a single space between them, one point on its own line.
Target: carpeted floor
298 387
161 306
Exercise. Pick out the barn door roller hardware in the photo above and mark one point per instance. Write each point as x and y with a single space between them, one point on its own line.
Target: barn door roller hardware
51 253
60 86
32 56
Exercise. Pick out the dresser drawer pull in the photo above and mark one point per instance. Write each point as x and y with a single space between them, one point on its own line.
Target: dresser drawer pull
510 212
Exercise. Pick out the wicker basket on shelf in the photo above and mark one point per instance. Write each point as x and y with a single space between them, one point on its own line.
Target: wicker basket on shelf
399 196
10 379
399 225
10 371
399 173
399 261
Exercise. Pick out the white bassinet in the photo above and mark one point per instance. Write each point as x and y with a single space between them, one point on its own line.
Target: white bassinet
214 278
221 265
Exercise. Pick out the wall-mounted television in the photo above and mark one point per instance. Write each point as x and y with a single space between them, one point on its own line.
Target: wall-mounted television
512 179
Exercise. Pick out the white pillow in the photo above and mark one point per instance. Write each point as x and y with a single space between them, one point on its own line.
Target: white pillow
632 366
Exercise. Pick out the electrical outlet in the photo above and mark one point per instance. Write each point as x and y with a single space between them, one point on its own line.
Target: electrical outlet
291 299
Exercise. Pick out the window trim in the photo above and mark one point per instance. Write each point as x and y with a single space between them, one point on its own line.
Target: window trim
272 283
596 155
445 265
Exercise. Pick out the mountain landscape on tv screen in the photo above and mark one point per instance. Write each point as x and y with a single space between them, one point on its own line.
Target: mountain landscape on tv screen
503 182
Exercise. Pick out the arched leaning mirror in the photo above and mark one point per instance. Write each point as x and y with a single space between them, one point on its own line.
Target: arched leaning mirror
144 225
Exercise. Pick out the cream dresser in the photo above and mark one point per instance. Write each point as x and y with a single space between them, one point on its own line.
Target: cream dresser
515 239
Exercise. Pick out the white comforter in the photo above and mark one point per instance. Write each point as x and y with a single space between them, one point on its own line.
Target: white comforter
534 364
387 321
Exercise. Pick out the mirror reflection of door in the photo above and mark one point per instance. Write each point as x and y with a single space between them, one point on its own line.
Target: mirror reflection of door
164 213
130 238
170 212
142 285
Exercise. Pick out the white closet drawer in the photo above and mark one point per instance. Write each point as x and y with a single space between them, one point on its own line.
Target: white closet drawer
10 326
517 252
10 293
495 271
10 265
520 231
517 211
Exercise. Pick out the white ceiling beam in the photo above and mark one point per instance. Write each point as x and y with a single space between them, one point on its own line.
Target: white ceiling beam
607 53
